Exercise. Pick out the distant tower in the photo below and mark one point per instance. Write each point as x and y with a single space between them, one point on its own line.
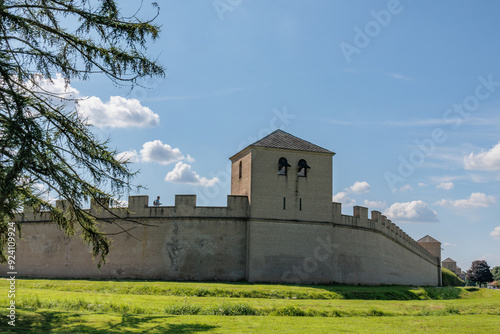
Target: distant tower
450 264
284 177
434 247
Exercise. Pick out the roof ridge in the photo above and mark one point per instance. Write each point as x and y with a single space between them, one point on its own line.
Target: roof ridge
284 140
427 238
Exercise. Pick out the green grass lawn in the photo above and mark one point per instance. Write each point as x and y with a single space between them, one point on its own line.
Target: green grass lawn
64 306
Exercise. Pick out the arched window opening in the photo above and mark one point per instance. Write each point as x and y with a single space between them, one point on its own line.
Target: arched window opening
282 166
239 170
302 168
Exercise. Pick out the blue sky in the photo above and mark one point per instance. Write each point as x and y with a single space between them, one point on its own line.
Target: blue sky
405 92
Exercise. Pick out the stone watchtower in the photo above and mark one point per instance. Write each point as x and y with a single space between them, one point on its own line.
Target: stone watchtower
284 177
450 264
434 247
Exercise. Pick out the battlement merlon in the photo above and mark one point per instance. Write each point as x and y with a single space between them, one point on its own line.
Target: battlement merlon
138 207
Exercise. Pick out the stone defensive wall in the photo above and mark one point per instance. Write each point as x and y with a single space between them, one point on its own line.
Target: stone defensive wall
349 249
188 242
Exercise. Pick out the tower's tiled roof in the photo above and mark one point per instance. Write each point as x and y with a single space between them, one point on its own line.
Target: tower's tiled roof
449 260
427 238
284 140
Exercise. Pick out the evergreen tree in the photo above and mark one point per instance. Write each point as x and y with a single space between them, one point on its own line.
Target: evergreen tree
479 272
50 145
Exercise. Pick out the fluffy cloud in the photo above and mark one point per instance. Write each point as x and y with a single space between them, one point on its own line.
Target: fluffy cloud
359 187
445 185
182 173
475 200
415 211
375 204
118 112
130 156
156 151
496 233
116 203
56 87
489 160
404 188
343 198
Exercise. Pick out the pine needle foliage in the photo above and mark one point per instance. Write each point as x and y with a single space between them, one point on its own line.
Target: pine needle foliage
47 145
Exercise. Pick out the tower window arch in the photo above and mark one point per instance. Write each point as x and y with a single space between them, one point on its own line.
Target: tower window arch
282 166
302 168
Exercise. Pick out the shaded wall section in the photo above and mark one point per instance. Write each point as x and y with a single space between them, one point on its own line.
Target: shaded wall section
173 249
306 253
167 243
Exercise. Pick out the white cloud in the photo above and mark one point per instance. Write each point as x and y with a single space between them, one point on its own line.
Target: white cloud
130 156
445 185
116 203
404 188
415 211
359 187
57 87
182 173
496 233
156 151
475 200
421 184
489 160
448 244
118 112
342 197
375 204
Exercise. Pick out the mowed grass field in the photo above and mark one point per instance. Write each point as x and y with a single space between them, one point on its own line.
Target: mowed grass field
83 306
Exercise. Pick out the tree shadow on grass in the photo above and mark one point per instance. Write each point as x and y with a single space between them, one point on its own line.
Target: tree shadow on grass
133 321
47 321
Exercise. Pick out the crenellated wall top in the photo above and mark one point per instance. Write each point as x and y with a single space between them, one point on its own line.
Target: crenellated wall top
138 208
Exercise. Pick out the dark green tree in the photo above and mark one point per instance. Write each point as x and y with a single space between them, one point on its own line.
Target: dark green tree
479 272
49 144
495 271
